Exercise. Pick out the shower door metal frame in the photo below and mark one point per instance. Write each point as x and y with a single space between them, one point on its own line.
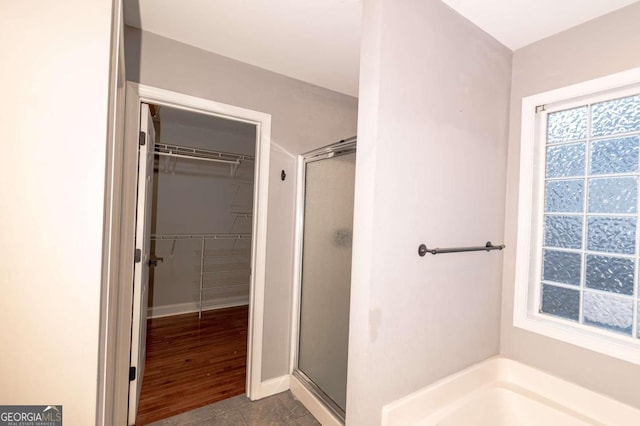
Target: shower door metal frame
344 147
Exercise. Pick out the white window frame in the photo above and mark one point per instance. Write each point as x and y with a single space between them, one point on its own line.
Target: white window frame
530 217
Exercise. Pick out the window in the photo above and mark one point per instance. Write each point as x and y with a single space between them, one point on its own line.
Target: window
578 251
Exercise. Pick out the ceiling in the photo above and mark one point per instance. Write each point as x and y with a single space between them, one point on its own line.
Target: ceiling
318 41
517 23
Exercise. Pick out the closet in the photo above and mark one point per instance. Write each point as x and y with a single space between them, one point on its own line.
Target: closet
202 212
201 240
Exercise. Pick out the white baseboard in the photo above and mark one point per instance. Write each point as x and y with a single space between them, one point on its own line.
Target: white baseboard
189 307
271 387
313 404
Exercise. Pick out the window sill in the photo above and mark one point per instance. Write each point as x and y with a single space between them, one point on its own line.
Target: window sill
622 347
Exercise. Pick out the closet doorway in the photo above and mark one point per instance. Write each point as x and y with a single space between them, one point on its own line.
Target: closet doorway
199 257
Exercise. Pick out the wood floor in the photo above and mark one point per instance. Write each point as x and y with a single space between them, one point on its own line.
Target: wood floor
191 363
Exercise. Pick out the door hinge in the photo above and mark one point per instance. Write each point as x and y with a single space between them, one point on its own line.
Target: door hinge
132 373
541 108
137 256
142 138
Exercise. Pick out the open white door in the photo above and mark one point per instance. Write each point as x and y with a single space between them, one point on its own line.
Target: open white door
142 257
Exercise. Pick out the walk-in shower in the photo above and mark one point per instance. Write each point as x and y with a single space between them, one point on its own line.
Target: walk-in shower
326 225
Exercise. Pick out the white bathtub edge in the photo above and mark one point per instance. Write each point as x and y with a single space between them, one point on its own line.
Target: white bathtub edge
601 408
415 406
452 391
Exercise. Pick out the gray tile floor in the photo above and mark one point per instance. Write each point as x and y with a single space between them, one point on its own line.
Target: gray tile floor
280 409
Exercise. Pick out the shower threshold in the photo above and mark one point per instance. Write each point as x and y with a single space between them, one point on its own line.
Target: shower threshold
325 399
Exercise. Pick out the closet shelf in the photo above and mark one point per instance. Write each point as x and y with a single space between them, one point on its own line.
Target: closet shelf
201 237
228 271
240 215
189 153
226 267
231 279
222 287
227 253
178 151
218 236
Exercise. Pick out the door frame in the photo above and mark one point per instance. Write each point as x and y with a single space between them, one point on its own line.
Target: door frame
142 266
135 94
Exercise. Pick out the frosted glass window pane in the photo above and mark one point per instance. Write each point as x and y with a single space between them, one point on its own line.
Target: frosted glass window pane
615 155
613 195
609 312
564 196
567 125
563 231
561 302
566 160
592 258
612 234
616 116
561 267
612 274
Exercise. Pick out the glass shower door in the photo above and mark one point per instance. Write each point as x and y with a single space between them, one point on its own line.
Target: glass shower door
326 274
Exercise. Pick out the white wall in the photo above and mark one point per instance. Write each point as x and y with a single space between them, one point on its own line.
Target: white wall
304 117
431 168
597 48
55 84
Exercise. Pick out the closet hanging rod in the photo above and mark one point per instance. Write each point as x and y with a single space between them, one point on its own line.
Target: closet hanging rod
200 153
190 157
225 236
422 249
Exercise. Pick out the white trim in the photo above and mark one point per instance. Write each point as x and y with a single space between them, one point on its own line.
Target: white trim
106 407
273 386
587 88
529 234
127 147
313 404
297 262
191 307
137 93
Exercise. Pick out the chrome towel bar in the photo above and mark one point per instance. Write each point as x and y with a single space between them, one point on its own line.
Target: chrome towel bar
422 249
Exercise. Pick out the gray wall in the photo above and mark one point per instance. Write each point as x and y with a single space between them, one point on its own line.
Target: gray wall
431 167
603 46
303 117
